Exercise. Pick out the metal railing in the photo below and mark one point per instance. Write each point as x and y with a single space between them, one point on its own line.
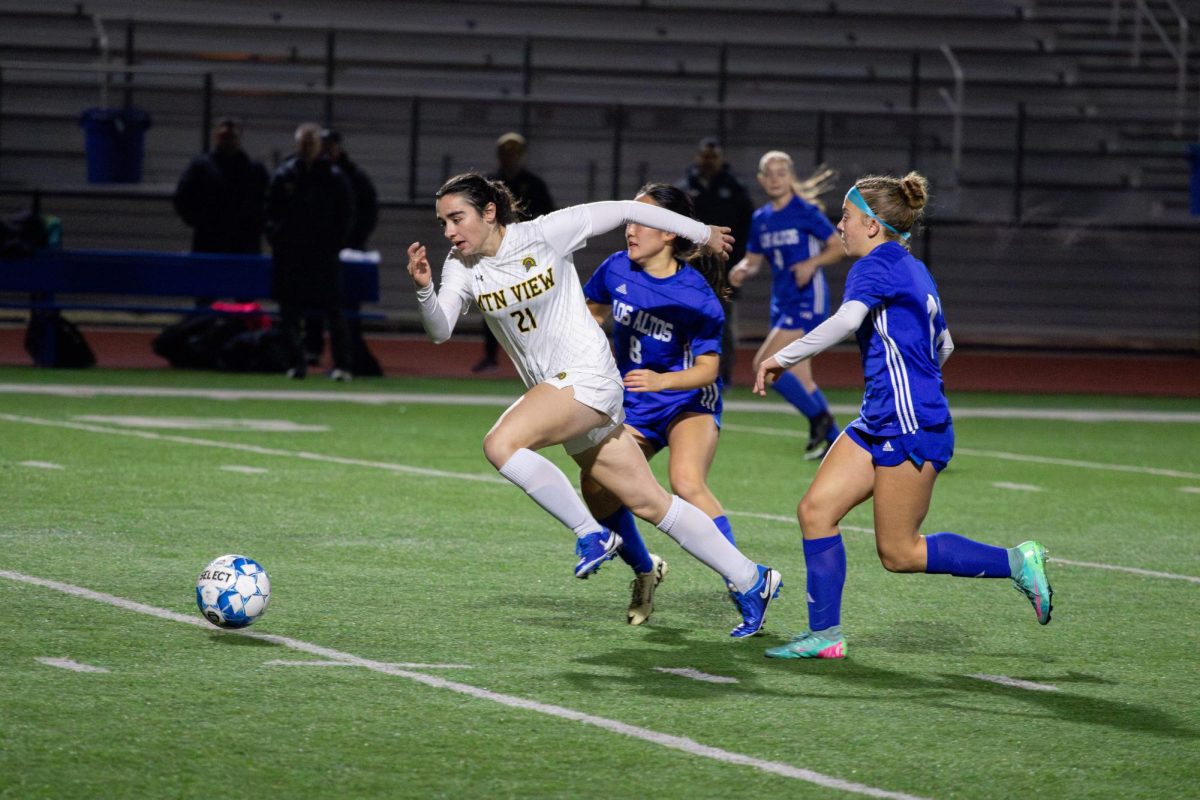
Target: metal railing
1143 14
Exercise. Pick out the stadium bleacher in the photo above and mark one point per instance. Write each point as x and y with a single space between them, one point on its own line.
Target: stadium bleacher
1057 127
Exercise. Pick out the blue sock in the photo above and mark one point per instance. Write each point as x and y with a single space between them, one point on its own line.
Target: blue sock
794 392
951 554
633 549
722 523
823 404
825 561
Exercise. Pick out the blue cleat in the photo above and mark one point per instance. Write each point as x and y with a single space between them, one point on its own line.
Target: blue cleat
753 603
594 549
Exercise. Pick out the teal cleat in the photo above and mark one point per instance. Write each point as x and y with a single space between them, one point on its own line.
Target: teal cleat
809 645
1032 581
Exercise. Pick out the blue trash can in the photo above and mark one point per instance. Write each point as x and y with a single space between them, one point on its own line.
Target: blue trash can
1194 155
114 139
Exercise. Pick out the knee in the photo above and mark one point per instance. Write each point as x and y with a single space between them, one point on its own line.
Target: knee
900 559
812 517
498 448
688 484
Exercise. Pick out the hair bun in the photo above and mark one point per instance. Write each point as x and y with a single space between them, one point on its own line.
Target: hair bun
915 189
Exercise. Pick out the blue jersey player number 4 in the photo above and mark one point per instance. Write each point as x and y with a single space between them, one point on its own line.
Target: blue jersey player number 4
903 436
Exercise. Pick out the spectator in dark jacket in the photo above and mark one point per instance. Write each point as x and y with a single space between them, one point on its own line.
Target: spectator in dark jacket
220 196
310 207
366 216
721 199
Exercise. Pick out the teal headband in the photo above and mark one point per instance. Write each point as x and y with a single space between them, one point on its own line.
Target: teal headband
855 197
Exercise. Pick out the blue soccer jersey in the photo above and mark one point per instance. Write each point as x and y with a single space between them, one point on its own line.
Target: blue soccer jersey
899 342
659 324
787 236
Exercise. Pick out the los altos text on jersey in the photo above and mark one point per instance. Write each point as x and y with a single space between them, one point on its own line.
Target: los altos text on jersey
643 322
520 292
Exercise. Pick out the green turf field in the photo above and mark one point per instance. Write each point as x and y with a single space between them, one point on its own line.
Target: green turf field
391 543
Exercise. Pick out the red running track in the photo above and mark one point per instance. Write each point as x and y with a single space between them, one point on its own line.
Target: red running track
1008 371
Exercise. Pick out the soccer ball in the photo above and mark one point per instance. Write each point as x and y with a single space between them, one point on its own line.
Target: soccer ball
233 591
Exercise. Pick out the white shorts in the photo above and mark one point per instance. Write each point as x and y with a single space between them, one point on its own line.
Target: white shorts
595 390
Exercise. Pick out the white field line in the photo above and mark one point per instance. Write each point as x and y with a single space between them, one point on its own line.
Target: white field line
250 448
42 465
1004 680
696 675
1190 489
66 663
466 476
203 423
279 662
681 743
244 470
418 398
1018 487
968 451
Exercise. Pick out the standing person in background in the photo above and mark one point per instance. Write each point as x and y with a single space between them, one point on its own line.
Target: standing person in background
663 295
310 207
533 197
903 436
366 216
796 239
719 198
221 195
522 277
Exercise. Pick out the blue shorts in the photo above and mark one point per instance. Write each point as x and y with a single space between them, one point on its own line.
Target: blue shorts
654 429
797 317
935 445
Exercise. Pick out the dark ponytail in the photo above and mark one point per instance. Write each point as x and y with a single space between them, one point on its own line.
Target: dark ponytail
687 252
479 191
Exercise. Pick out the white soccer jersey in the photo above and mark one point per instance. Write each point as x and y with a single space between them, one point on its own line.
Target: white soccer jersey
529 292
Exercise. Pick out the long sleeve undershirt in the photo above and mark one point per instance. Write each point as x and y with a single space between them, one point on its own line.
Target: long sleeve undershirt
833 330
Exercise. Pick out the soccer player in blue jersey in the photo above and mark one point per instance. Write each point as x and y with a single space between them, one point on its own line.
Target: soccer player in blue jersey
795 238
667 322
903 436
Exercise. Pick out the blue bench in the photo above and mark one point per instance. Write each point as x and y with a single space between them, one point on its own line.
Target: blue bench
130 273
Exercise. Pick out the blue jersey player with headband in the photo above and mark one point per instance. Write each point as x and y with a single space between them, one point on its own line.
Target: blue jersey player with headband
903 436
666 333
793 236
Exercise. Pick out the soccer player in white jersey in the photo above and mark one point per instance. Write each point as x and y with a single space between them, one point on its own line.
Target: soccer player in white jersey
667 322
795 239
522 277
903 436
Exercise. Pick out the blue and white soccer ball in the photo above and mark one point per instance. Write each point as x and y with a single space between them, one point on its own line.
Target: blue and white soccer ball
233 591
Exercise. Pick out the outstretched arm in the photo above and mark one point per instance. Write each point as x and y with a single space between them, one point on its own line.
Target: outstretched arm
566 230
847 320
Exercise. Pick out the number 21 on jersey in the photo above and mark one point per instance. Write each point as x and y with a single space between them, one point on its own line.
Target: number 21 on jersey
526 321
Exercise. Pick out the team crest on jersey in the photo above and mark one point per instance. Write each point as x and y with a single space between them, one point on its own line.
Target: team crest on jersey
528 263
561 376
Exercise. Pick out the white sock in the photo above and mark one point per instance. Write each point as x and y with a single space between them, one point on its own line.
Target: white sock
699 535
550 489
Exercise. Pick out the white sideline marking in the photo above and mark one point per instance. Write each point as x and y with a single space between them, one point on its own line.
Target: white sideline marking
42 465
66 663
466 476
1190 489
967 451
205 423
1016 682
680 743
417 398
250 448
279 662
1149 573
1018 487
244 470
696 675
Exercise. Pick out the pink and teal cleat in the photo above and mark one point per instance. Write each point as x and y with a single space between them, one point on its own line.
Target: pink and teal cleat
1032 581
809 645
